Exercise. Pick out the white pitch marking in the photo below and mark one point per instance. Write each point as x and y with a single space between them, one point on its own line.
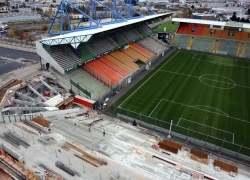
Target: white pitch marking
147 80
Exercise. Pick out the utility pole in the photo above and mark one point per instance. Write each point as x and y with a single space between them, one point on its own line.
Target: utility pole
169 133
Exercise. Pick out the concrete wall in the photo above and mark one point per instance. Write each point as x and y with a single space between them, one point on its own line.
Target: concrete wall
58 112
46 58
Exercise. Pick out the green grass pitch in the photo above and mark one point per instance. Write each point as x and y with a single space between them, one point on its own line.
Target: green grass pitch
170 28
206 96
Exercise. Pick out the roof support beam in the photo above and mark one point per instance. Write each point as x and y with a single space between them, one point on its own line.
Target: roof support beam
37 93
48 86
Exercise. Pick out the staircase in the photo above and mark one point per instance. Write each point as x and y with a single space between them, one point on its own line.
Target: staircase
190 43
217 46
244 49
172 41
238 50
212 47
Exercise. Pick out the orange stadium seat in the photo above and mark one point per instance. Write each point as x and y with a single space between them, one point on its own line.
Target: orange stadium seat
199 30
189 28
108 73
124 58
118 63
132 53
141 50
113 66
181 28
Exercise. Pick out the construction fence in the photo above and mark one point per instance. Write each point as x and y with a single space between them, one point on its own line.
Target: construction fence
207 142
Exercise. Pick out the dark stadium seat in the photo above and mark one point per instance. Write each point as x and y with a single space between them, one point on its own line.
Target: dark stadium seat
77 52
86 54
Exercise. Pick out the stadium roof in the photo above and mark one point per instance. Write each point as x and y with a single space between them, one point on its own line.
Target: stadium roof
199 21
218 23
75 38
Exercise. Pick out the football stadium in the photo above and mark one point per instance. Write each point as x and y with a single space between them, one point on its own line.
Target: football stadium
200 91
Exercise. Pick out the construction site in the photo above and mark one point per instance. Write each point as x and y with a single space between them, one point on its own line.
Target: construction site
49 134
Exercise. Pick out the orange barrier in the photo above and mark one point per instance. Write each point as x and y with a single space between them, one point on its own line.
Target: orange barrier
134 54
217 33
141 49
206 32
225 35
236 36
244 36
124 58
113 66
118 63
226 167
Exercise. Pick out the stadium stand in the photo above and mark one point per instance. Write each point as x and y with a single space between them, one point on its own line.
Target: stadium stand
86 54
141 50
206 32
217 33
70 53
152 45
119 63
96 88
202 43
182 41
233 48
236 36
225 35
132 53
224 45
190 29
102 69
181 28
113 66
61 57
199 30
147 29
245 36
247 50
125 59
119 40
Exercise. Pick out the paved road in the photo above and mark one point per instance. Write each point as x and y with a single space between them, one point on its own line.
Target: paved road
15 54
8 66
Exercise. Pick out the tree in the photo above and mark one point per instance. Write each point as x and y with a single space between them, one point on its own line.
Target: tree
187 13
248 11
11 34
234 17
65 25
45 27
242 20
18 32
